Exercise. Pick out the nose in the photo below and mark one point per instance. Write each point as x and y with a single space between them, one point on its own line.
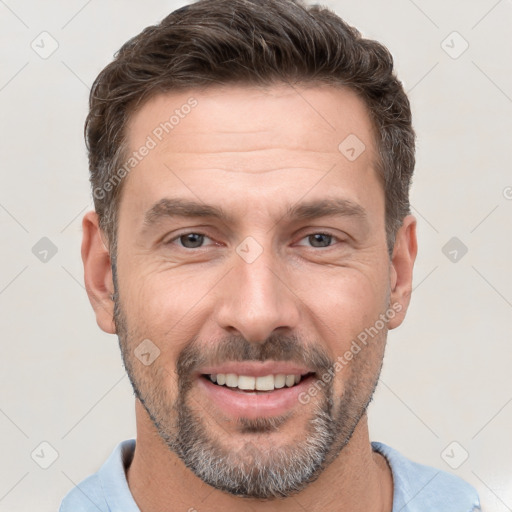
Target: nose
258 299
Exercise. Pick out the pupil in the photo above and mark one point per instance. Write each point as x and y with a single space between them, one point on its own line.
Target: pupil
192 240
318 238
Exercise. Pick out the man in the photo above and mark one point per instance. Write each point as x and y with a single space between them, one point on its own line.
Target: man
251 246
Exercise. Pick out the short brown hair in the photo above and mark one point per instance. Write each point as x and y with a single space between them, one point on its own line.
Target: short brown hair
248 42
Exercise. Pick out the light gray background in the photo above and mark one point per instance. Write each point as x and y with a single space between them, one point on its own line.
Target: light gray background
446 374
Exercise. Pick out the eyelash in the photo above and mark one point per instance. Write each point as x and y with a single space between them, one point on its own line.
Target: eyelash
206 236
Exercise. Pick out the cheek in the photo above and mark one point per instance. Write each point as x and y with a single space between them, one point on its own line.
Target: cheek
343 305
163 306
152 295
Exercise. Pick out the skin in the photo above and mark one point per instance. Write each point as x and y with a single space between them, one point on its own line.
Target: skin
254 152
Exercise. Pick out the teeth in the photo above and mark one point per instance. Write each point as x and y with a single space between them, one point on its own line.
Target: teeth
279 381
264 383
247 382
231 380
290 381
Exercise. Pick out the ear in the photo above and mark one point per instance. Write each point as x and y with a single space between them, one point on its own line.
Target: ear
401 268
98 272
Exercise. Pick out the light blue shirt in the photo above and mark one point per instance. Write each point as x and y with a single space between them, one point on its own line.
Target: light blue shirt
417 488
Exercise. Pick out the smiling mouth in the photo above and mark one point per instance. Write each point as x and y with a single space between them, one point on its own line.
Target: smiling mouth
256 385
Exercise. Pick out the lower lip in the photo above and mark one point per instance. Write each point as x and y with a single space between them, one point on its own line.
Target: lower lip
252 405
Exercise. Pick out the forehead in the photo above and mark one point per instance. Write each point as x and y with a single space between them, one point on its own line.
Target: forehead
314 117
276 140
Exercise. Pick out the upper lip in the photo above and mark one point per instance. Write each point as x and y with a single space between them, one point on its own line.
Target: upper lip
256 369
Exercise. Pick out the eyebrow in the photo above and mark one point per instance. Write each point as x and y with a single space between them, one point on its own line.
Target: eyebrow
184 208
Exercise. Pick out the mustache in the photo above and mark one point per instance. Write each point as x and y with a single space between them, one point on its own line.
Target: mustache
236 348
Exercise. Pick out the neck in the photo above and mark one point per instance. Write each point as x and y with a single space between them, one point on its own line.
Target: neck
357 480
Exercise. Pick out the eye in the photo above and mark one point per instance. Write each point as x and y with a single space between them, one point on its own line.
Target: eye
319 240
196 240
189 240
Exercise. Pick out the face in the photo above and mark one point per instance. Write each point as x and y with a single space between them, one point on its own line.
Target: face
251 263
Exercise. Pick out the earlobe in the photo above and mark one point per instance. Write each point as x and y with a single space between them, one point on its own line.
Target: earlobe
98 272
401 269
